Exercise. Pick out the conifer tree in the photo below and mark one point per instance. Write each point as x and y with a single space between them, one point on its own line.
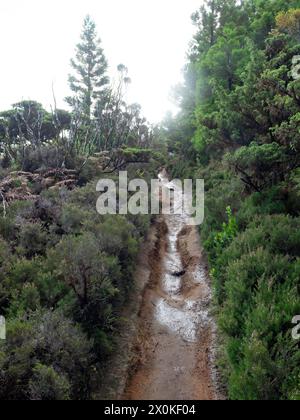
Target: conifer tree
89 80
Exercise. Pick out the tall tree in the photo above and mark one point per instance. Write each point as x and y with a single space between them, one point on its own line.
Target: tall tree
89 80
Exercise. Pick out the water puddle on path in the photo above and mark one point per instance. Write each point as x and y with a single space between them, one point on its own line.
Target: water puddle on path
177 331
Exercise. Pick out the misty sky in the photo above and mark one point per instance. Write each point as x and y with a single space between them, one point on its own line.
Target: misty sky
38 37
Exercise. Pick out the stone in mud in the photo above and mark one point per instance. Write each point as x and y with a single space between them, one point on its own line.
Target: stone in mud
179 273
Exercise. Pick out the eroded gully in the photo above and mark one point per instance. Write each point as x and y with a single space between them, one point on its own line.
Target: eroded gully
176 340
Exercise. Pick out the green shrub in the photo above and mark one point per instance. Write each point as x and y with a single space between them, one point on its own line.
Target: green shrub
48 385
5 266
46 339
33 239
259 300
269 202
216 246
63 265
5 258
45 157
84 197
25 271
266 363
244 276
7 228
217 199
24 300
20 209
73 218
228 233
281 233
51 289
93 277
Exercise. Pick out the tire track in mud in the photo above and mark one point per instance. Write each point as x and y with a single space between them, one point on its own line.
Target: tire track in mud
174 352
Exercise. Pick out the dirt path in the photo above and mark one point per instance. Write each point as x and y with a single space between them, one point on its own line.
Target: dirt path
176 332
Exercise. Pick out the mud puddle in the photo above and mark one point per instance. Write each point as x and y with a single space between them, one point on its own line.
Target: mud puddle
175 348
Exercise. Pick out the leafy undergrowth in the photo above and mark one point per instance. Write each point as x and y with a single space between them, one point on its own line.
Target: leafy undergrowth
255 267
239 130
65 275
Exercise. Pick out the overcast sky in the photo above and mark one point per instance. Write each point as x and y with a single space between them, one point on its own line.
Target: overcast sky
38 38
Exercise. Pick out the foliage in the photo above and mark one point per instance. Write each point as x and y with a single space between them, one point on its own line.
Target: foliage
32 239
27 127
47 385
90 66
289 22
240 112
101 122
65 271
45 356
63 264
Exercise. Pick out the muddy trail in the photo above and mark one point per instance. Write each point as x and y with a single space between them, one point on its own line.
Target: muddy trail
174 353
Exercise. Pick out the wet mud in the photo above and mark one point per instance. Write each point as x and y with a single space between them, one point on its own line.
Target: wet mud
175 348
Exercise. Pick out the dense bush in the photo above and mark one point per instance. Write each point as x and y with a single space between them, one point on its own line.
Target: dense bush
65 274
254 257
240 112
261 299
32 239
46 157
48 385
45 355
